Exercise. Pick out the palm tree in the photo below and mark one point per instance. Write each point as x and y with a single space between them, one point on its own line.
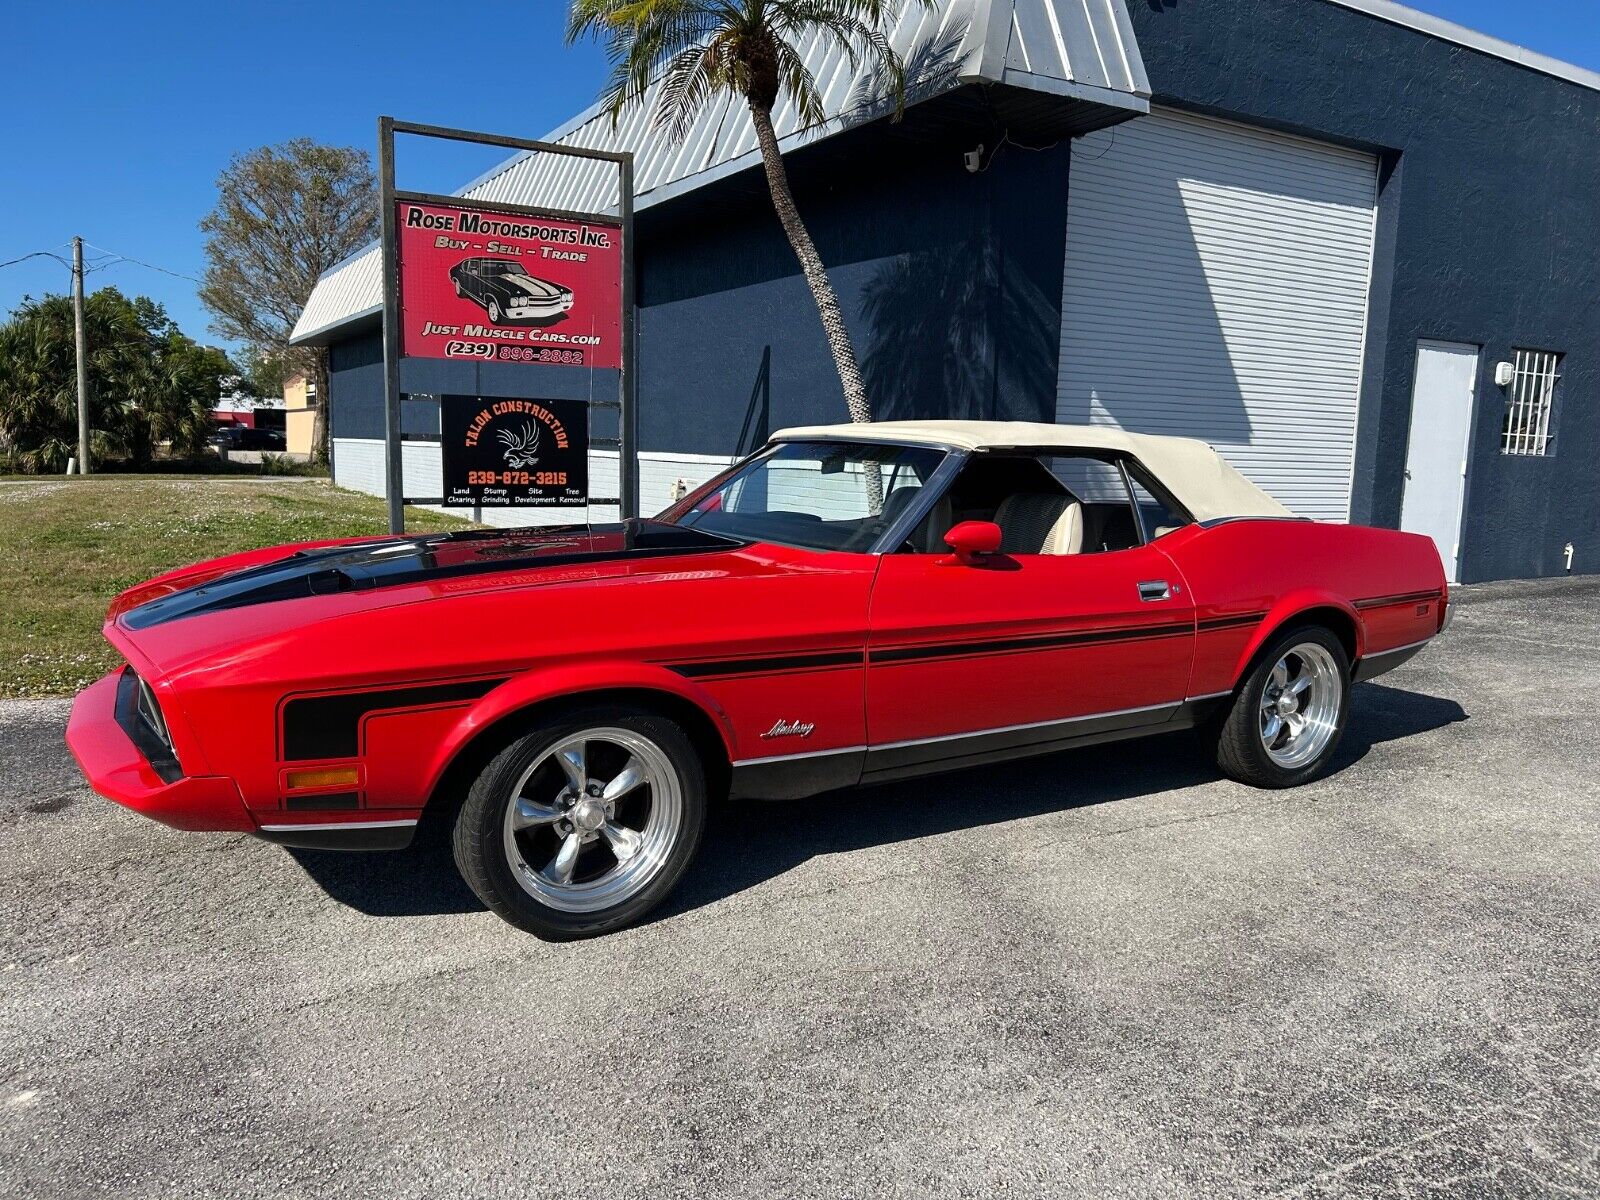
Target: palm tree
699 48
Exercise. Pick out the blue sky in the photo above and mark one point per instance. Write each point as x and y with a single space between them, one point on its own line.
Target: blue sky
124 147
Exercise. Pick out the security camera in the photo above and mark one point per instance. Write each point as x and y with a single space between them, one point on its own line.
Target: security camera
973 160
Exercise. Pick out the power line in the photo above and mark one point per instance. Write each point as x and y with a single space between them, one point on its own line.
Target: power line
117 257
37 254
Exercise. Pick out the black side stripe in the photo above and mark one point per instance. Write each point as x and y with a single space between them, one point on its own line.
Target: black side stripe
717 668
763 666
330 726
1236 621
1088 637
1404 598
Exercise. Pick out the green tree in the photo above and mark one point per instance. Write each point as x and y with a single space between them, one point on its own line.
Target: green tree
700 48
148 383
284 215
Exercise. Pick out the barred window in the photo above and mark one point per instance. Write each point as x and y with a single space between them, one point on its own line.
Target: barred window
1527 427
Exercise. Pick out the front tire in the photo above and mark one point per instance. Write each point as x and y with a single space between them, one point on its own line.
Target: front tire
1289 713
585 824
492 307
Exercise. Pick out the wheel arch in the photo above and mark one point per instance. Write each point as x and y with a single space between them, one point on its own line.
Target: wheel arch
1310 608
507 712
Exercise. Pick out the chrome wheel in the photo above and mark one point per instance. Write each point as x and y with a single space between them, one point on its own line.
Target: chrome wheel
592 821
1300 705
493 307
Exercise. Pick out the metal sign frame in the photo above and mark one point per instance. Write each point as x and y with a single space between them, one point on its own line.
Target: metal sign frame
390 196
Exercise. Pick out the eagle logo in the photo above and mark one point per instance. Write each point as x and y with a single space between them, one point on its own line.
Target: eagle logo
522 446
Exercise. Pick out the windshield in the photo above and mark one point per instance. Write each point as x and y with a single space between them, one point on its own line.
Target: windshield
818 495
498 267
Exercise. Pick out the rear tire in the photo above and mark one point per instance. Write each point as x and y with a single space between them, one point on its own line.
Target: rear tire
585 824
1288 715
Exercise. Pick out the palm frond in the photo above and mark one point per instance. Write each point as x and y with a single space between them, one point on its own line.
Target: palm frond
687 84
799 84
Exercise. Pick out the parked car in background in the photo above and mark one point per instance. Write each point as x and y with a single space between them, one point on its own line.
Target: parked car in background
508 293
851 604
242 437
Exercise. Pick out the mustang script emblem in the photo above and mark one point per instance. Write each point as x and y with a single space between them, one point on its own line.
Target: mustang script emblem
522 448
790 729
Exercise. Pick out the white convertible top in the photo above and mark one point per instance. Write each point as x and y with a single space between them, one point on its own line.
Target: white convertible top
1195 473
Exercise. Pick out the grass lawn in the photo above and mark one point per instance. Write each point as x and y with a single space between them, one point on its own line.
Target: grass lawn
67 546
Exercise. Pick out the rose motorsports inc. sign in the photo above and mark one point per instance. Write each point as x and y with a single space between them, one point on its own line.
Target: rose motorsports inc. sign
508 287
515 453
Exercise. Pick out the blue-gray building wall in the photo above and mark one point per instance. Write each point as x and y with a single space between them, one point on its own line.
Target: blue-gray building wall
1488 233
950 282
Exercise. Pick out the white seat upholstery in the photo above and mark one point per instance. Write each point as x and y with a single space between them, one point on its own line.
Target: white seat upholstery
1040 523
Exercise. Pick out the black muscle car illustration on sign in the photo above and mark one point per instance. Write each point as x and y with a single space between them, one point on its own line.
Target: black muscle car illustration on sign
508 294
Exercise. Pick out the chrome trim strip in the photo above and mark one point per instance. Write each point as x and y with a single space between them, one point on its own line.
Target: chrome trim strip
954 737
300 828
1208 696
772 758
1397 649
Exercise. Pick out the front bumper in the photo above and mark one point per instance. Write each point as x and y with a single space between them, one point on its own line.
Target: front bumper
120 770
117 770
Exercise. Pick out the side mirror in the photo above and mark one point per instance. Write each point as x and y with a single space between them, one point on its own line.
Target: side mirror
972 541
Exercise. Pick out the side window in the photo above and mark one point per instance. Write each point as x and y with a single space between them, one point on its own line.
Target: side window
1158 515
1102 494
1044 504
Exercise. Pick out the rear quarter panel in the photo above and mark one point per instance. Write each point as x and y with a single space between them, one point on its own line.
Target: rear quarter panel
1250 578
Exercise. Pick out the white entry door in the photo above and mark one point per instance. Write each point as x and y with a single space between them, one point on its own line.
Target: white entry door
1442 397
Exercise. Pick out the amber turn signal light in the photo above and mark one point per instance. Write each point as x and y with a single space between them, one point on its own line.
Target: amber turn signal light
322 777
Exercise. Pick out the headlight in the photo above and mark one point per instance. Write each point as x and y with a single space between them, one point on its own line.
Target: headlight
150 713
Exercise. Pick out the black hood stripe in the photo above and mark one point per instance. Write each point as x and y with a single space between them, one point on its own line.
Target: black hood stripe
396 562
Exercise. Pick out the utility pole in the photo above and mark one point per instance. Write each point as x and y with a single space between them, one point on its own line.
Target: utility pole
83 356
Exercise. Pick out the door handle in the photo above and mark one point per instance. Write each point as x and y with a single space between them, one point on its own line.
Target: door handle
1155 589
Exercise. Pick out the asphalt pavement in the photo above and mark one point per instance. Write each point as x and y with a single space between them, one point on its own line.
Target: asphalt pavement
1109 973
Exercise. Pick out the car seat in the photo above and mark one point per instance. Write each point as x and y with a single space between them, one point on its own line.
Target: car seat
1040 523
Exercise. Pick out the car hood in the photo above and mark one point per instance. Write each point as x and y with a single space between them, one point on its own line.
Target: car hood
539 289
360 569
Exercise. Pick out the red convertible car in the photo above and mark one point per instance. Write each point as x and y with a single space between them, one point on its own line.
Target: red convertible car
851 604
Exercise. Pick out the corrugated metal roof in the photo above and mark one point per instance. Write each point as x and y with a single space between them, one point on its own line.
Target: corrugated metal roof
1083 49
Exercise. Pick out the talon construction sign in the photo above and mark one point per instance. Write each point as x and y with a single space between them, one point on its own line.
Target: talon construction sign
516 453
508 287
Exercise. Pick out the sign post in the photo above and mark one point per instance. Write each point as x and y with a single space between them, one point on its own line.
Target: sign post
510 284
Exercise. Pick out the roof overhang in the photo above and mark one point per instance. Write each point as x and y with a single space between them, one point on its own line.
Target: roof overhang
1078 53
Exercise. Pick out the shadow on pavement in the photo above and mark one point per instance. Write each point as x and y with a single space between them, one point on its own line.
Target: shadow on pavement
747 843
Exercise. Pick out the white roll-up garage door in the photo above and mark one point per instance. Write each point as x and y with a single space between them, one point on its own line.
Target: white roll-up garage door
1216 287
